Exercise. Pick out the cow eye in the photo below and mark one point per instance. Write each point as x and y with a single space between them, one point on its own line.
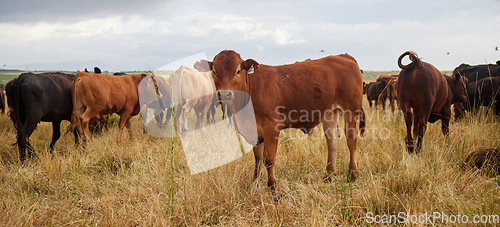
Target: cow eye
213 73
238 71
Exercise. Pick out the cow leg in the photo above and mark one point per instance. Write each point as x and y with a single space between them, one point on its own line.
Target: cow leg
84 122
121 125
75 133
408 120
445 120
128 125
168 116
420 125
258 152
351 137
23 135
330 128
271 137
56 133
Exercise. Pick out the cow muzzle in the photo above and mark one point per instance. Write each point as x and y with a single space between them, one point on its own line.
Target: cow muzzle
225 95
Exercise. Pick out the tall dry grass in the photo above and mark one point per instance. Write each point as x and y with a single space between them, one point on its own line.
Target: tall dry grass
144 181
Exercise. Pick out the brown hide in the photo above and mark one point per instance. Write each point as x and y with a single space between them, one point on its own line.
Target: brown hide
390 90
488 159
104 94
423 89
299 95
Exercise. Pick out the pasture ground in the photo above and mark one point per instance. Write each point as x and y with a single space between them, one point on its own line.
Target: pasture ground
145 180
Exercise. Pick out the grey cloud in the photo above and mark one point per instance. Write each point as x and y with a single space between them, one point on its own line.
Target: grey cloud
52 11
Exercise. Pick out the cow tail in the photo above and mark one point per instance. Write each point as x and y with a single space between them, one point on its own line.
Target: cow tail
386 88
362 123
18 108
157 91
415 61
74 116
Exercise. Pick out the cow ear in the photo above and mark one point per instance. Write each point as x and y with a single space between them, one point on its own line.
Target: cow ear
250 65
457 76
202 66
210 65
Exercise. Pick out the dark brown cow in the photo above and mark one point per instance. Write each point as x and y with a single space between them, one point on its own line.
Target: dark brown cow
488 159
484 92
2 100
426 90
390 90
299 95
34 98
95 95
373 91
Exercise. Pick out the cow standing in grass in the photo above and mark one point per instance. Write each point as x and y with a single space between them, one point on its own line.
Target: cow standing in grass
484 92
299 95
33 98
98 94
430 94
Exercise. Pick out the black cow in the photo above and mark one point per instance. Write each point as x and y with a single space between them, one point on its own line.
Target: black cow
373 90
478 72
485 92
39 97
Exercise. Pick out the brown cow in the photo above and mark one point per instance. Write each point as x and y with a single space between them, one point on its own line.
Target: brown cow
299 95
488 159
429 93
390 90
95 95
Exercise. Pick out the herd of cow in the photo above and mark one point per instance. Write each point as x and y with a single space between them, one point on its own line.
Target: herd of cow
299 95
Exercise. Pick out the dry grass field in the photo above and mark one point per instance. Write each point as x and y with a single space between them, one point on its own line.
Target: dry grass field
145 180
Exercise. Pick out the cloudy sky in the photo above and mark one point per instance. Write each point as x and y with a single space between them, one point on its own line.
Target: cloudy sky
121 35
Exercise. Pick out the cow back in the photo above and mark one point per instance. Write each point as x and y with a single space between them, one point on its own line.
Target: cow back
108 93
289 92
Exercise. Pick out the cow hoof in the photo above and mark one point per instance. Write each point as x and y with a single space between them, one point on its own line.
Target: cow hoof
275 198
352 177
327 179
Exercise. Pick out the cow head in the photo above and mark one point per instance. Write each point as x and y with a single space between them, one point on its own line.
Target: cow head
230 73
457 84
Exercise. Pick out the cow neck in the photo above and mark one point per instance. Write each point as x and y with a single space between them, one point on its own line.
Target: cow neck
249 80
